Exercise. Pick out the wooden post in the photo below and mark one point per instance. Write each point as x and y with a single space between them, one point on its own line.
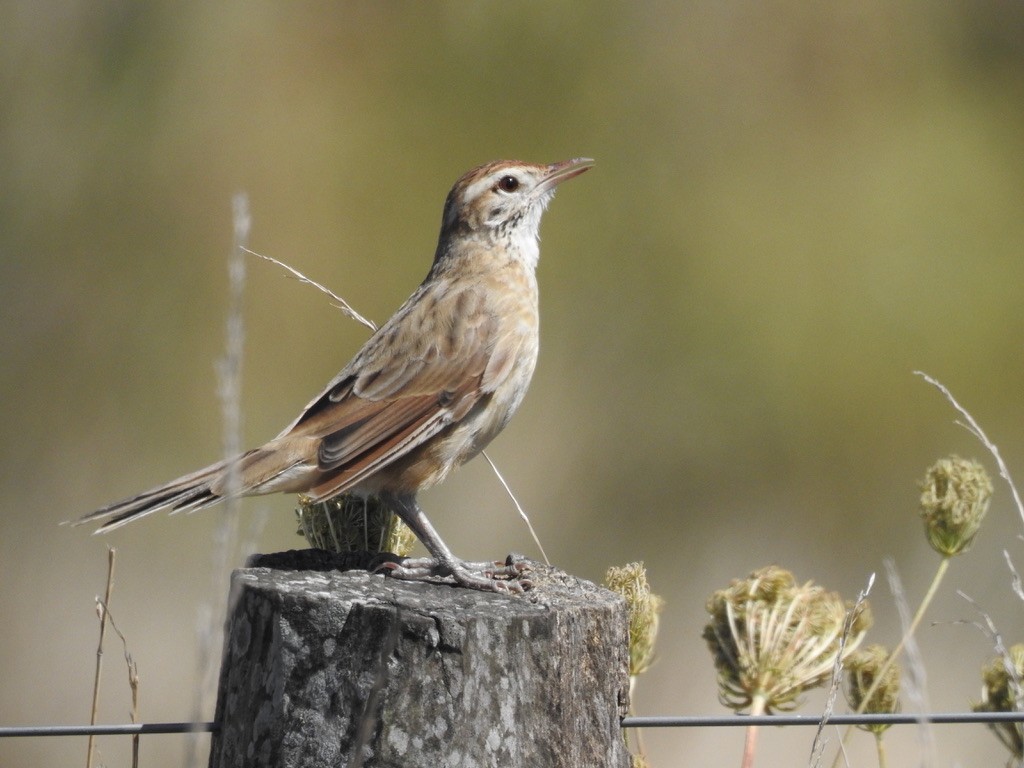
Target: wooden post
352 669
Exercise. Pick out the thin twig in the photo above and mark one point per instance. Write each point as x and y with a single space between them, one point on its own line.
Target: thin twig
522 512
818 746
101 608
1015 580
988 628
343 305
133 684
975 429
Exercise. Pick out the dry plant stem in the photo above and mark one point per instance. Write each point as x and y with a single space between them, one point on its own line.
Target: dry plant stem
914 678
229 374
749 746
1015 581
522 512
972 426
133 684
750 743
133 681
343 305
99 652
940 572
880 748
347 308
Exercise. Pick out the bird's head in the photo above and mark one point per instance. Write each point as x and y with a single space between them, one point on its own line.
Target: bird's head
505 199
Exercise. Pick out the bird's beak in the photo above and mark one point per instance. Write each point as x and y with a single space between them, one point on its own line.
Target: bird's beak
563 171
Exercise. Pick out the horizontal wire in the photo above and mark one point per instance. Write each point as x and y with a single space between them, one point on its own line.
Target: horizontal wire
123 729
893 719
661 721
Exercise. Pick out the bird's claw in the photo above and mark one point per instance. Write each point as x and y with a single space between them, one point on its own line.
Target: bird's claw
484 576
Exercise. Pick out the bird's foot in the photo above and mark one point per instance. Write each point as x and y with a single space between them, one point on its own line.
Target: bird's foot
486 576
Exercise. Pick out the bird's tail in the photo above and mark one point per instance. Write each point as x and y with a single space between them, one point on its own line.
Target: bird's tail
186 494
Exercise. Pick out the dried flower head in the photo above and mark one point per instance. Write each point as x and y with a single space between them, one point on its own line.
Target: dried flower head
630 581
954 499
1001 692
772 639
349 523
863 669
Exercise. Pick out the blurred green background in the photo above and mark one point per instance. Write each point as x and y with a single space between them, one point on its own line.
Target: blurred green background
795 206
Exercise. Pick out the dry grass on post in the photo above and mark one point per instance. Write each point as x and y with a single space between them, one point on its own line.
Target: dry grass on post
643 608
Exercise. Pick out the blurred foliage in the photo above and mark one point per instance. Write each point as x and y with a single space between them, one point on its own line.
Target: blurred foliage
795 205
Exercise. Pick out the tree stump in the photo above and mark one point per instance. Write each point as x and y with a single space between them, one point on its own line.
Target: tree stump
355 669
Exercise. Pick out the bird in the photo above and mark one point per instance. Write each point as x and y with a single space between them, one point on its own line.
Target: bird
427 391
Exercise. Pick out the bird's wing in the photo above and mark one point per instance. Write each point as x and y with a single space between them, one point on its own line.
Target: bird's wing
423 370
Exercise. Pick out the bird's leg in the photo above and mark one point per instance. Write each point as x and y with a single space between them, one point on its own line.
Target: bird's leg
489 577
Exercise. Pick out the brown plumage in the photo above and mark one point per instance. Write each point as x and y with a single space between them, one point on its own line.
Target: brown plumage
428 391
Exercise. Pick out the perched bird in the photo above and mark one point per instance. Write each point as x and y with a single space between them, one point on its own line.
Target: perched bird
427 392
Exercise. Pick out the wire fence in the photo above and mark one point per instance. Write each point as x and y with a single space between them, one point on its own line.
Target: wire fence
657 721
939 718
120 729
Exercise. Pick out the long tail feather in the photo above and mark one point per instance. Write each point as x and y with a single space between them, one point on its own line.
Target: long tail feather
191 492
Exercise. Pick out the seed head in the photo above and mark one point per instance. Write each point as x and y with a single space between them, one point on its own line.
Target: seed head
1001 692
630 581
772 639
863 669
955 494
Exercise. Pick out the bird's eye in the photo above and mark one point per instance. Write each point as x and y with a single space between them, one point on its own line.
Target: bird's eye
508 183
